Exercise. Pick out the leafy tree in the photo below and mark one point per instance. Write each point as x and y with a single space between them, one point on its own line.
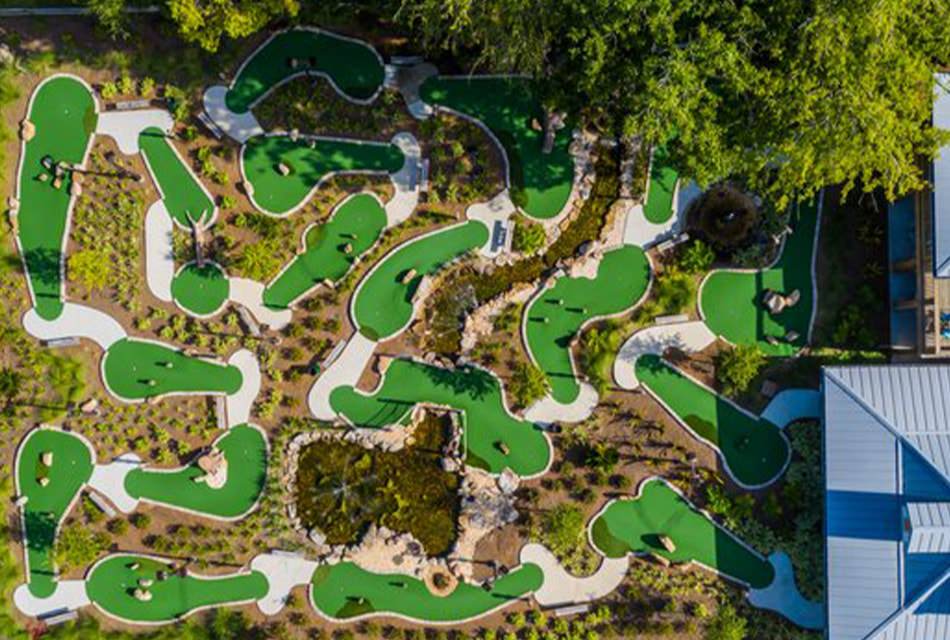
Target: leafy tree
529 236
91 267
10 385
790 96
696 257
258 260
727 624
563 528
528 384
78 546
111 16
206 23
736 368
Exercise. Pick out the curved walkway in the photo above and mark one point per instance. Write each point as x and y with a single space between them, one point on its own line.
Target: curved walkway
547 410
783 596
240 127
159 251
344 371
283 571
250 294
109 480
68 595
560 588
75 321
792 405
406 181
240 403
124 126
688 337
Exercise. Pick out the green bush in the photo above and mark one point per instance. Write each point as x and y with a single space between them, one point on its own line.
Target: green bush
528 384
696 257
737 367
77 546
726 625
529 237
91 267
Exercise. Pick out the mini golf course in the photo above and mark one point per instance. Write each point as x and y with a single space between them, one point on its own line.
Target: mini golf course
111 585
353 67
330 249
245 449
489 430
181 191
202 291
136 369
662 185
345 591
754 450
63 113
554 318
507 106
71 467
382 305
635 526
731 301
309 161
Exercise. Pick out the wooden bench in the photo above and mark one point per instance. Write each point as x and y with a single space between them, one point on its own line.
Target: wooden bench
100 502
59 343
206 120
571 610
59 617
676 319
128 105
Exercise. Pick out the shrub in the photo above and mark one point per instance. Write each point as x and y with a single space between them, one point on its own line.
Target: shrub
696 258
118 526
91 267
147 87
126 85
78 546
109 90
563 529
726 625
140 520
736 368
529 237
528 384
258 261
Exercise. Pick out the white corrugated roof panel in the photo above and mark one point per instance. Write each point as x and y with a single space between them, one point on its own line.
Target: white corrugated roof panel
929 527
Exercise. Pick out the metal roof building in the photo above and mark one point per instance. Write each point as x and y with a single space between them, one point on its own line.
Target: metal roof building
887 507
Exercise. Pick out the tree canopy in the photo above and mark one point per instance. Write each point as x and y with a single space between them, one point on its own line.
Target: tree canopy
789 96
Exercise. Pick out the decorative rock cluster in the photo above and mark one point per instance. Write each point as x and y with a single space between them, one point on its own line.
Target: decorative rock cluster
481 321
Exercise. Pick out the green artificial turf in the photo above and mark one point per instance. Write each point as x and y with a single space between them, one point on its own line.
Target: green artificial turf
201 290
130 364
383 304
475 392
659 205
754 449
63 113
357 222
541 182
353 66
244 448
731 301
279 194
112 583
554 317
72 467
345 591
181 192
636 525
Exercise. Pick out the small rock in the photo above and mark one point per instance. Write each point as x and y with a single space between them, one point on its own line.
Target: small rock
47 458
283 169
27 130
508 481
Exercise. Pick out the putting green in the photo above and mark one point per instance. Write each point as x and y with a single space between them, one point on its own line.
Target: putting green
489 428
345 591
330 249
636 526
754 449
659 205
111 585
353 67
278 194
63 113
731 301
201 290
45 507
554 317
383 303
508 106
136 369
245 450
181 191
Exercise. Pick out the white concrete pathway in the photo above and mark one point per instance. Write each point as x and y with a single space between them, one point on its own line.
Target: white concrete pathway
283 571
76 321
561 588
344 371
791 405
498 209
109 480
69 595
548 410
406 180
784 597
687 336
643 233
239 126
124 126
239 404
250 294
159 251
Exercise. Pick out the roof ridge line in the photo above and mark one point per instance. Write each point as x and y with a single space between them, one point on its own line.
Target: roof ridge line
884 422
909 608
